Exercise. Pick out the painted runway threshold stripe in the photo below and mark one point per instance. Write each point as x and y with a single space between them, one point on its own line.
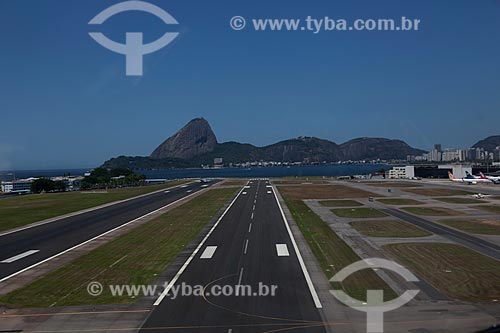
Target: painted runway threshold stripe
19 256
209 252
282 250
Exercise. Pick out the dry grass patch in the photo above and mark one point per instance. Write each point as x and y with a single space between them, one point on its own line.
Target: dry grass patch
437 192
399 202
475 226
356 213
432 211
299 182
400 184
388 228
235 182
489 209
460 200
324 192
340 203
455 270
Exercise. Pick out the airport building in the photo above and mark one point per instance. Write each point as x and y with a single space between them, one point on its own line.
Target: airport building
402 172
17 186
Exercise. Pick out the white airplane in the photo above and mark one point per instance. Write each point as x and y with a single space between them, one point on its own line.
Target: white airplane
480 196
495 179
468 181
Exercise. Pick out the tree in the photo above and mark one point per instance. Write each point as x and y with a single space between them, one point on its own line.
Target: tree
42 185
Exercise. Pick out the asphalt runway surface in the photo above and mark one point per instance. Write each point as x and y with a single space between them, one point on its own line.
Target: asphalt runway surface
250 247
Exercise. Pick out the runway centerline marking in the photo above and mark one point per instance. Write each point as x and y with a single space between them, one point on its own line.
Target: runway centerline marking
246 247
241 276
19 256
251 217
282 250
250 227
209 252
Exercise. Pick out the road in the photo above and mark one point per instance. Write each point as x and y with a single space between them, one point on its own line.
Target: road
249 246
22 249
475 243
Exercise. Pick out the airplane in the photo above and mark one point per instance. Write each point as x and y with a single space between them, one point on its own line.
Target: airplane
494 179
468 181
470 176
480 196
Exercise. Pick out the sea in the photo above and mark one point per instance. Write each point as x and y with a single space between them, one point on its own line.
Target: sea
252 172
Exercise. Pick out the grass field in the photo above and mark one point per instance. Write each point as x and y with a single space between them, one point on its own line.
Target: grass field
299 181
18 211
333 253
456 271
400 202
489 209
388 228
475 226
432 211
437 192
324 192
340 203
134 258
460 200
400 184
235 182
354 213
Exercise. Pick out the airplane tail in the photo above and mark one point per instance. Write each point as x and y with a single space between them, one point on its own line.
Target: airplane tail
482 175
450 175
468 175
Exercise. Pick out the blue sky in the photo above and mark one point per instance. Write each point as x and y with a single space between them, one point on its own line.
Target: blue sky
65 100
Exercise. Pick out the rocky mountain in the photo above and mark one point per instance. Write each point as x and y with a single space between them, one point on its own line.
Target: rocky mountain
303 149
373 148
193 139
489 144
196 144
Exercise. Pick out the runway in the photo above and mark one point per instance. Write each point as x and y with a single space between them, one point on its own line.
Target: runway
251 246
22 249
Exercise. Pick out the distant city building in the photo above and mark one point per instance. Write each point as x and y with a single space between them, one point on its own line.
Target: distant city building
456 155
450 155
218 162
435 155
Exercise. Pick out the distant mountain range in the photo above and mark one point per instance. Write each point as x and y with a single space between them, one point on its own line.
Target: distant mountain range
196 144
488 144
